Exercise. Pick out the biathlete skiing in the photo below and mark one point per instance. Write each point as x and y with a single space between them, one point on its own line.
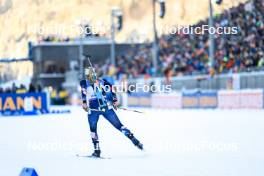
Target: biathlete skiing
98 98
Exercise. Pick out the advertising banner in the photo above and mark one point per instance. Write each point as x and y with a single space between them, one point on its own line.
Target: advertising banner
242 99
139 100
166 100
199 100
24 103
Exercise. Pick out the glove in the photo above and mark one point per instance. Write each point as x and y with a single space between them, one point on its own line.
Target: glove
115 105
85 107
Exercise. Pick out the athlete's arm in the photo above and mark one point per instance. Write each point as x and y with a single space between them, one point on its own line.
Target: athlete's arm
113 94
83 92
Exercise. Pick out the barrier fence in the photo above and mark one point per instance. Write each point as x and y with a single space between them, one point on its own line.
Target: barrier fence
38 103
234 81
226 99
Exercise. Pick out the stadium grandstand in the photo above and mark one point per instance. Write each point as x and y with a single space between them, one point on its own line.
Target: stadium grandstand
188 54
179 54
178 86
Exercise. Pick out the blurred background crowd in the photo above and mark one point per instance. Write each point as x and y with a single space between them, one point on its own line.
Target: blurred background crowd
188 54
178 54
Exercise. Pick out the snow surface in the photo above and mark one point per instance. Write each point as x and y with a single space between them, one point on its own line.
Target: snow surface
180 142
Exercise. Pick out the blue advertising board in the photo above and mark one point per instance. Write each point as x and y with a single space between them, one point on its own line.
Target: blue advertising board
190 100
208 100
199 100
24 103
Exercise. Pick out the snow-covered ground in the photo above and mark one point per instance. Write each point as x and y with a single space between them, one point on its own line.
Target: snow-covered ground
180 142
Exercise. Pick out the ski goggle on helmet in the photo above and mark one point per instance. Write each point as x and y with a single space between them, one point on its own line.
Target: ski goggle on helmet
90 74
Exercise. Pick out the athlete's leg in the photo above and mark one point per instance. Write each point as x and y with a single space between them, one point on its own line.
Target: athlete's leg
93 119
111 116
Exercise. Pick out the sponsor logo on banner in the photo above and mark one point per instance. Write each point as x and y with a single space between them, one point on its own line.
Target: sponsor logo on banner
139 100
243 99
190 101
16 104
208 100
199 100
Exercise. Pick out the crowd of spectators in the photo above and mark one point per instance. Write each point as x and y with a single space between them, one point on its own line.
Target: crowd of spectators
55 69
87 32
188 54
54 38
21 89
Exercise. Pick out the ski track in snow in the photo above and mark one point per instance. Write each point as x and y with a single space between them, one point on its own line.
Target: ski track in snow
177 142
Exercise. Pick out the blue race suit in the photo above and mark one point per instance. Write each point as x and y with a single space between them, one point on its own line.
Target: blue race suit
101 97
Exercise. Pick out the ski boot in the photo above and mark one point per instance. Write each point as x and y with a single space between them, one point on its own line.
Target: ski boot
97 151
136 143
130 135
96 154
